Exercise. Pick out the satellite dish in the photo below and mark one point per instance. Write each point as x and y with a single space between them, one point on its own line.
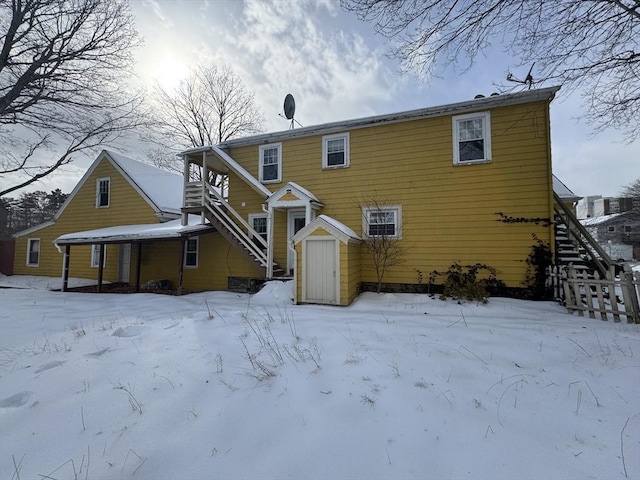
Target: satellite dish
289 106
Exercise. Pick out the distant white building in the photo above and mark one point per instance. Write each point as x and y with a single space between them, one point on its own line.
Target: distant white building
599 206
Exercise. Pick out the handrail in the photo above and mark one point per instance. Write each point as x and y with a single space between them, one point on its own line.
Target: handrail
238 217
588 242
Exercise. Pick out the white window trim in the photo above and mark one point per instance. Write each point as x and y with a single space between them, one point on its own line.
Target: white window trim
365 220
486 127
96 246
184 260
261 165
98 192
29 242
325 150
253 216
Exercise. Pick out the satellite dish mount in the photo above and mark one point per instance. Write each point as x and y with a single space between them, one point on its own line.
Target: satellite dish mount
290 110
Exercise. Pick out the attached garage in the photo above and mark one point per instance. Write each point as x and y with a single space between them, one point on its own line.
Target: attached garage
327 263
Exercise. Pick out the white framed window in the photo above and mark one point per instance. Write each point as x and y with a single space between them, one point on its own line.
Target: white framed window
335 151
258 222
95 255
191 253
472 138
271 163
103 192
627 229
382 221
33 252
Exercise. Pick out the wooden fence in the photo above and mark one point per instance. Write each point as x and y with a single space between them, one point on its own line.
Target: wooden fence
609 296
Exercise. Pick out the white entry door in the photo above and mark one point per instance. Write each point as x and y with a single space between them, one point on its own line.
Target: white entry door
320 276
124 262
296 221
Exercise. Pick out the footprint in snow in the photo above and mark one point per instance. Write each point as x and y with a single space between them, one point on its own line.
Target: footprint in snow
15 401
130 331
49 365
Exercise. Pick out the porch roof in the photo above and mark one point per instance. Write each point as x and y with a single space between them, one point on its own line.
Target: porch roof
137 233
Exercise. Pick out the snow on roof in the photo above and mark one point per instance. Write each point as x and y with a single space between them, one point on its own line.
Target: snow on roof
592 221
340 226
333 226
163 188
121 233
563 191
304 191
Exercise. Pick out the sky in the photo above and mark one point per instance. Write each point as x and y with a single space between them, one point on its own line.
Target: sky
235 386
336 67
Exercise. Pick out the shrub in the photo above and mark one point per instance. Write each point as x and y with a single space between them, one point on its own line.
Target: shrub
461 282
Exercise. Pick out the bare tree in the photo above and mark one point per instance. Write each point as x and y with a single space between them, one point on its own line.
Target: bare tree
210 106
62 65
632 190
381 235
593 45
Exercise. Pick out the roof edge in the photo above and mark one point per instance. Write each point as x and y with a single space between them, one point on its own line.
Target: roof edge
495 101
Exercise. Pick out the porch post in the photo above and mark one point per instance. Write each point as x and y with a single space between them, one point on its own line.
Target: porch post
307 213
270 242
205 193
100 267
138 263
185 176
65 267
183 246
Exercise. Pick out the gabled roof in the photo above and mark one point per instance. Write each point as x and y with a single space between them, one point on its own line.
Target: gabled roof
301 195
475 105
337 229
162 190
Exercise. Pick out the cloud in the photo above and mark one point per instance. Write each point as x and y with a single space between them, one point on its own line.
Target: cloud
294 47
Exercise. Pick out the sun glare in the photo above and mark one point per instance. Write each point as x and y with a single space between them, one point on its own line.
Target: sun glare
167 70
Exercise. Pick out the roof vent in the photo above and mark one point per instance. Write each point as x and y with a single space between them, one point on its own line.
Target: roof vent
478 96
495 94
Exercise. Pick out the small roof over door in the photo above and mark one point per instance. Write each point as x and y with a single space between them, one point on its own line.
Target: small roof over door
293 195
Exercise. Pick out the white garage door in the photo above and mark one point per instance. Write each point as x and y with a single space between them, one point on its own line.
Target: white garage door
320 271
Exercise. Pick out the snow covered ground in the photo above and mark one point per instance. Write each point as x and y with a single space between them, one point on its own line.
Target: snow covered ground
220 385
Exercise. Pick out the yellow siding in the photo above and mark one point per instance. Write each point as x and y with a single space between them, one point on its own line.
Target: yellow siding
126 207
449 212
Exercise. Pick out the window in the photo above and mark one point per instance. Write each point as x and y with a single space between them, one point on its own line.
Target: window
627 229
95 255
611 228
335 151
271 163
33 252
191 253
472 138
258 222
102 192
382 221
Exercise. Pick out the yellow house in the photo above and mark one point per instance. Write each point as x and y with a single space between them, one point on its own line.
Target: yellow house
124 203
442 182
439 182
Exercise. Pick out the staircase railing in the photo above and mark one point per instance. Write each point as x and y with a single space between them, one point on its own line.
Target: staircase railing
595 251
204 195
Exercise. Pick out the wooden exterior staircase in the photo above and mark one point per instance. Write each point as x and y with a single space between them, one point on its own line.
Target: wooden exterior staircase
574 244
202 198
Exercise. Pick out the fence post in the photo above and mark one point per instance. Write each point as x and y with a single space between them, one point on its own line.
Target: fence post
629 295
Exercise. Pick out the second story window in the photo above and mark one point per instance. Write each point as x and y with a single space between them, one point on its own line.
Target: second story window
472 138
271 163
103 192
335 151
